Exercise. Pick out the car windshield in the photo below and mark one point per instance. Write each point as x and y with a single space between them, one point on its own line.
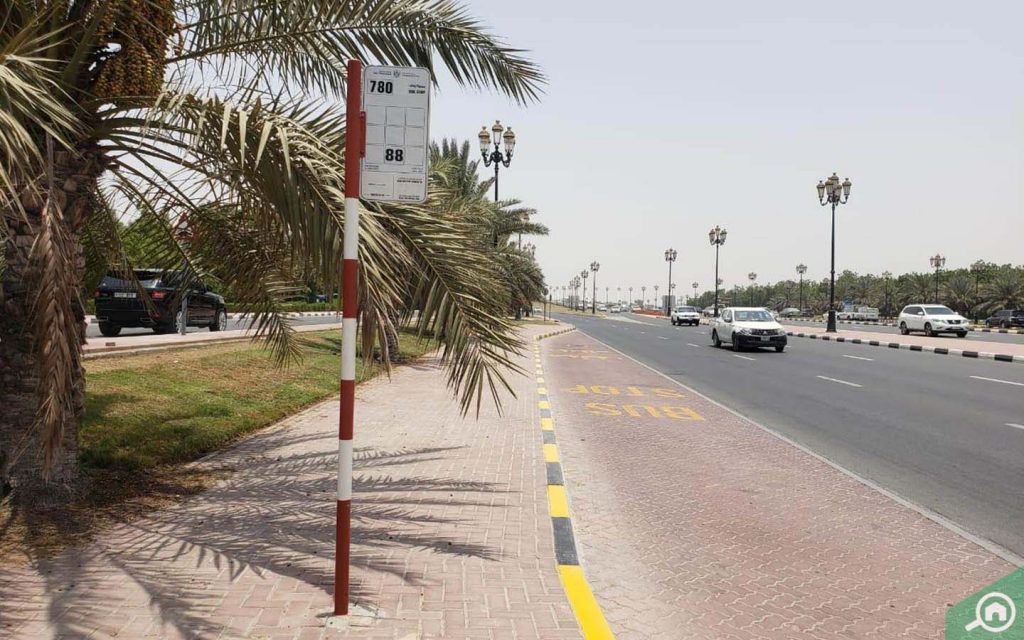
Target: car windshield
686 309
939 311
753 316
147 280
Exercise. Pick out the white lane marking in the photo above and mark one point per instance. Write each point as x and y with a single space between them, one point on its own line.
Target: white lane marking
849 384
1015 425
662 338
858 358
690 344
1016 384
744 357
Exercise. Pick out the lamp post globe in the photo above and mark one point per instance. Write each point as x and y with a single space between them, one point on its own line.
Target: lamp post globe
594 266
832 192
753 278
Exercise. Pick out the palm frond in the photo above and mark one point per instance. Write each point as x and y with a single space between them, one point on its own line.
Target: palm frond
308 43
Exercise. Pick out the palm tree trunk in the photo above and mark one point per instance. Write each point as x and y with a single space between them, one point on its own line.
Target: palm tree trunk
23 442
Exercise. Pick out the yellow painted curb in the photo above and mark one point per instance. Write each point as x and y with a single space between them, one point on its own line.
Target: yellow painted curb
551 453
558 501
584 605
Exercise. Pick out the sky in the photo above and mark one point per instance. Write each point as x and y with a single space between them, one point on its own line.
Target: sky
662 119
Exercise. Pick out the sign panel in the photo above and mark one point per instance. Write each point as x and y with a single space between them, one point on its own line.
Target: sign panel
396 101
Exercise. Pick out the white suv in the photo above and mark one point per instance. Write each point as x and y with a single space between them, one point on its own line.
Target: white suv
933 319
747 327
685 315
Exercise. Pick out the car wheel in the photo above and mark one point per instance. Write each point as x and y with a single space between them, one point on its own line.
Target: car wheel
1005 324
735 344
780 348
673 322
714 339
109 329
903 329
962 334
928 330
220 321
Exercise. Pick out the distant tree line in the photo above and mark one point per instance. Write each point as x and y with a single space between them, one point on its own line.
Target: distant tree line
975 291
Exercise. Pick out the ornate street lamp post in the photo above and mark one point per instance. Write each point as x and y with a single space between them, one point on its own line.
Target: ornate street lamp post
656 301
594 266
753 278
584 274
695 285
717 238
495 155
670 257
801 269
888 277
937 261
643 293
835 193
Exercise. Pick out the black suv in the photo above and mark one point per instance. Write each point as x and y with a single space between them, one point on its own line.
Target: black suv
1006 318
118 303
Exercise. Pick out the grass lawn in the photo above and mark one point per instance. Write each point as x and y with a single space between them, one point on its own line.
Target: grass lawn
147 414
175 406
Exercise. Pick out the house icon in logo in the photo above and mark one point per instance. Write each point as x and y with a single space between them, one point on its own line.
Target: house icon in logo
995 612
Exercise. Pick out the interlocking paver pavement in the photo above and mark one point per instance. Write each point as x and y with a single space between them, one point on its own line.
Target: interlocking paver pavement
451 536
694 523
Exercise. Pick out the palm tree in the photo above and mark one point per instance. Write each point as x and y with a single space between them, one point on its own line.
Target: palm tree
224 114
959 293
1005 290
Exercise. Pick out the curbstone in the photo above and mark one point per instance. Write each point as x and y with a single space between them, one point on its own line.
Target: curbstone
942 351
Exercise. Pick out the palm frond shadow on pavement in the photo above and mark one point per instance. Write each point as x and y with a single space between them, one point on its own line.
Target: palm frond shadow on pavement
269 527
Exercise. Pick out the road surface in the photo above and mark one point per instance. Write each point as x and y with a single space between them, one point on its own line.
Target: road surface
946 434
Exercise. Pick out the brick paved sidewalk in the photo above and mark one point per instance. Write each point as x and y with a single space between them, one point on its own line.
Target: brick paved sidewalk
693 523
451 535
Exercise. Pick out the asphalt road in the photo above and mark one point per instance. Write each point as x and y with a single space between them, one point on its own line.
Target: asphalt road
944 433
93 330
975 336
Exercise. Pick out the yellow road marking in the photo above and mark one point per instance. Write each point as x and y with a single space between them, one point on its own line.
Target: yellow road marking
544 404
584 605
550 453
542 391
540 380
547 424
558 502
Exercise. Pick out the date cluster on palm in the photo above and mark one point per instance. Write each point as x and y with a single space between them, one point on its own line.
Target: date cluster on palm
133 76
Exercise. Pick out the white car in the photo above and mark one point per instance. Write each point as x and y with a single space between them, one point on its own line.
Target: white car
685 315
933 319
748 327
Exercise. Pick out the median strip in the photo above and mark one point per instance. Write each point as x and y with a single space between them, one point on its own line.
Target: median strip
943 351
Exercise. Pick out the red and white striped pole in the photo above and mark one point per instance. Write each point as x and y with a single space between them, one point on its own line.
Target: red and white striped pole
355 133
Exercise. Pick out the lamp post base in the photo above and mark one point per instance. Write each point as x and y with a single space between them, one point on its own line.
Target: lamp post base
831 327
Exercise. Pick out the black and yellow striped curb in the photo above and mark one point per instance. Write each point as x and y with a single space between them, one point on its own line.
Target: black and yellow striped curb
942 351
581 597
